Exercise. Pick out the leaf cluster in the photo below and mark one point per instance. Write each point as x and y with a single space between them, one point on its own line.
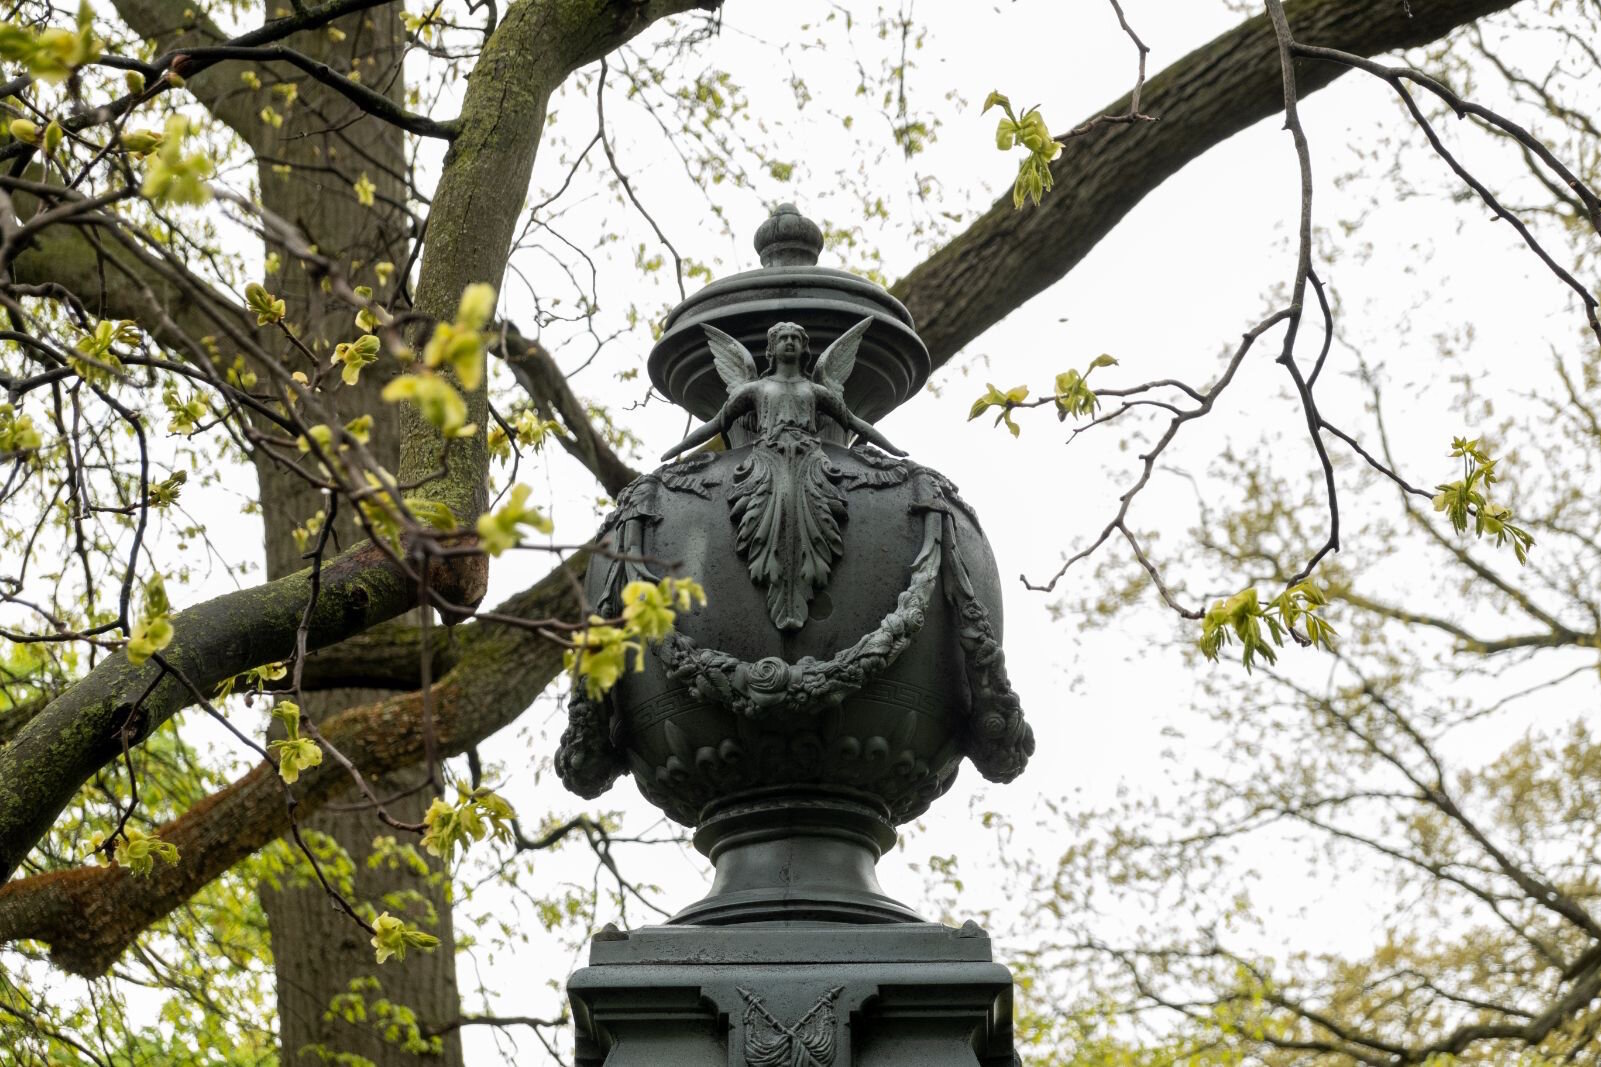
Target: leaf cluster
1468 499
599 654
1027 131
1260 629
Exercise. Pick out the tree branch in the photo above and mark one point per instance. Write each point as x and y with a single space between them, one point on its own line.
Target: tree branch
369 101
89 915
384 657
483 186
544 382
82 730
1008 256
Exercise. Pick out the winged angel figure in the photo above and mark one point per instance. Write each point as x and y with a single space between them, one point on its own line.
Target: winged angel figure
785 501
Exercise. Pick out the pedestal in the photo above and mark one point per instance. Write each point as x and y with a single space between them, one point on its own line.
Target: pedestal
793 995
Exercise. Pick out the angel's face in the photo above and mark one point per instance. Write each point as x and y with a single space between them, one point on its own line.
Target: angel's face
787 346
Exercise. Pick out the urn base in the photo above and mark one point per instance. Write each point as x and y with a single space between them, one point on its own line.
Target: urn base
788 854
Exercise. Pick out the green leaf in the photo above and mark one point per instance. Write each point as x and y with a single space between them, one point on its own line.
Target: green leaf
171 177
17 432
153 632
650 608
392 937
477 813
354 355
138 851
1030 132
164 494
432 512
1468 498
441 406
1260 629
501 529
295 754
268 308
994 398
599 656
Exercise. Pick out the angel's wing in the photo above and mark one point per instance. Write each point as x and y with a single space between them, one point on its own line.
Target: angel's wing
732 359
834 366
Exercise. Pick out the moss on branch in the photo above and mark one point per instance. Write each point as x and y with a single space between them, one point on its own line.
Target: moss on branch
479 201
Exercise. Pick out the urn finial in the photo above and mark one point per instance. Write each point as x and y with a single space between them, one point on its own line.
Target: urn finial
846 660
788 239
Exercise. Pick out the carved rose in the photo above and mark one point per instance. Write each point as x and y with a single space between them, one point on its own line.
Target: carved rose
767 681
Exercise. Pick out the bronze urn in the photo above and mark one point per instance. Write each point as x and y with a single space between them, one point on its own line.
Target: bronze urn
849 654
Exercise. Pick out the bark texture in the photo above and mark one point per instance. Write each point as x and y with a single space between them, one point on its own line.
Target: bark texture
389 656
317 951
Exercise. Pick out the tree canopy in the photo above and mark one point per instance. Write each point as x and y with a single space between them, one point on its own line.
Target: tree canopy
401 265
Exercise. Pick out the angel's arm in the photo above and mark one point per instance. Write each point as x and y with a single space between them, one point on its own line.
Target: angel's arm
834 406
737 404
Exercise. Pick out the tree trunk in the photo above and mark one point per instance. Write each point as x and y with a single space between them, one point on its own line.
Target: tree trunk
318 952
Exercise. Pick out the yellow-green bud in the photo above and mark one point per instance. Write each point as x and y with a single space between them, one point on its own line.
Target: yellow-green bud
141 142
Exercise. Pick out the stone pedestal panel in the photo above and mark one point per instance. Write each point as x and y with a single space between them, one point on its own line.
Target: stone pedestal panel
918 995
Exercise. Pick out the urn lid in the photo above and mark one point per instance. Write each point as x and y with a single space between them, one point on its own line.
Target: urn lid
891 365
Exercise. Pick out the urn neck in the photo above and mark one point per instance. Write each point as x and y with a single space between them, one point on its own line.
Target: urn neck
795 855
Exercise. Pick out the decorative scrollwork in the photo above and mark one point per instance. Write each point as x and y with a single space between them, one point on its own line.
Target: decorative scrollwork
997 739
